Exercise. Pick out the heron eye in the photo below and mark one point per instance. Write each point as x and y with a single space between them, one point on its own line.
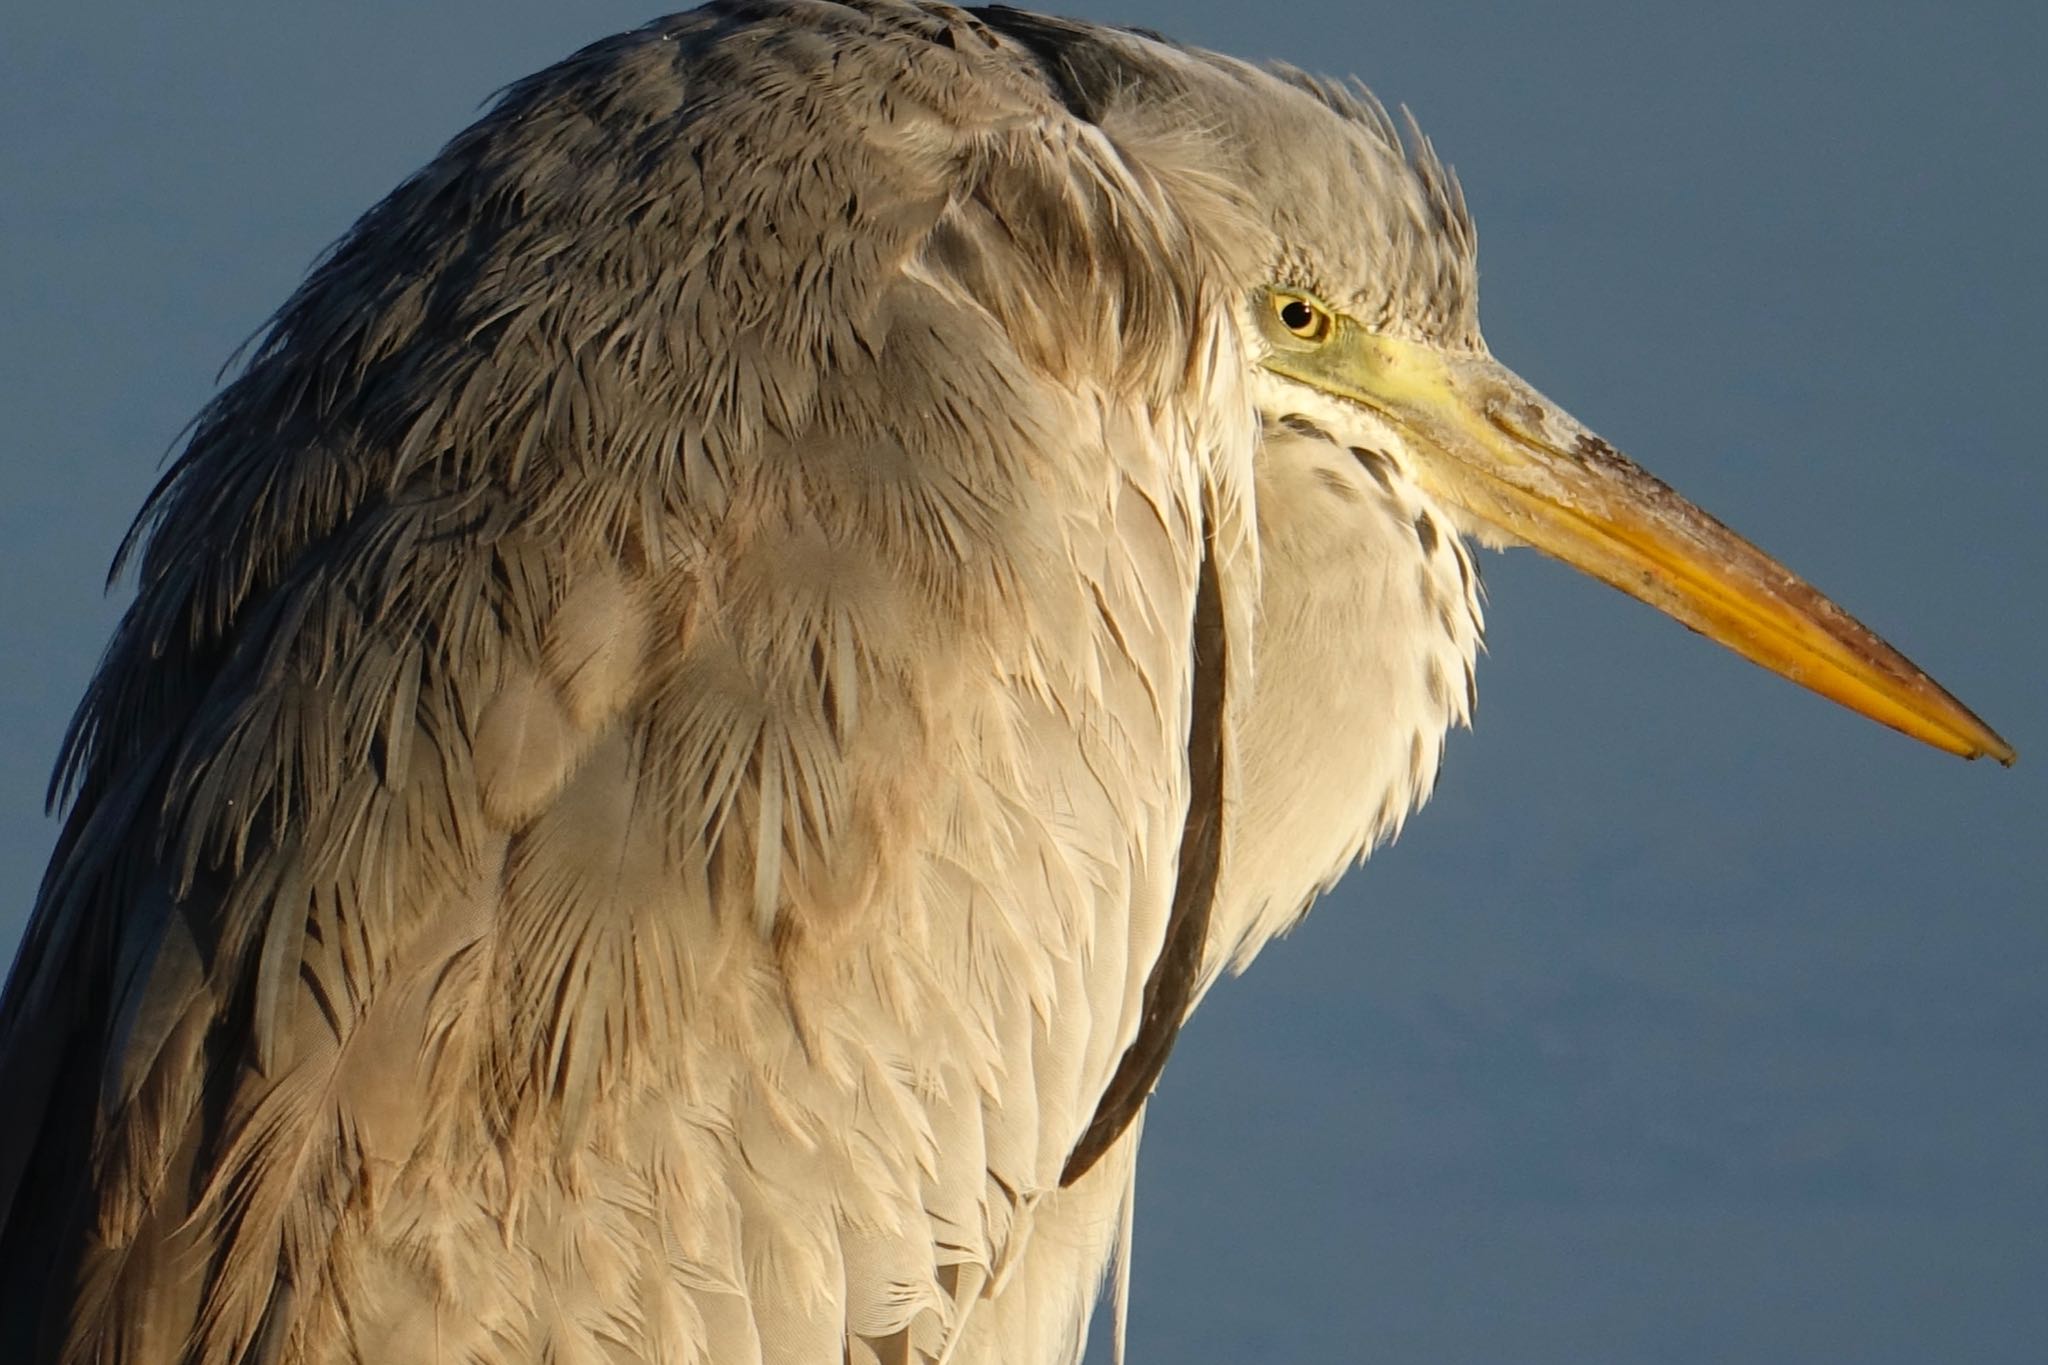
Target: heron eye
1302 317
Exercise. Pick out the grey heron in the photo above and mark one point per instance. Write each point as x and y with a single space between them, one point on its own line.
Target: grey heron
698 717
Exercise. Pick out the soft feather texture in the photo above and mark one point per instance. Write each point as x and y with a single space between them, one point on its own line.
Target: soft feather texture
634 808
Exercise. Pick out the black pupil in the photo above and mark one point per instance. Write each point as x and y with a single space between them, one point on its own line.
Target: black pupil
1298 316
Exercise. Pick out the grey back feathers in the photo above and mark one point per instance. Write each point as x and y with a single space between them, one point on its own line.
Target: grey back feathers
637 808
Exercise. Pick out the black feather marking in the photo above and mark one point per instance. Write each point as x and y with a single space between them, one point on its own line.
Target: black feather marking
1302 426
1464 559
1377 465
1087 73
267 1346
1426 533
1339 485
1170 988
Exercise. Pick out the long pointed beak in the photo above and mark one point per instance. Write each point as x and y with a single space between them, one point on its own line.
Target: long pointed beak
1499 450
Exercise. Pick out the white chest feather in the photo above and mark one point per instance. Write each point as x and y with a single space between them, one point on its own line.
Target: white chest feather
1369 624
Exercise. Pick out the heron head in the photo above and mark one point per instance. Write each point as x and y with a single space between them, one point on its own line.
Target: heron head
1364 318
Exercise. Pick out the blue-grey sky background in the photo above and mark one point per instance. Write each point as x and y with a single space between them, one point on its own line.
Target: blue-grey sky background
1697 1020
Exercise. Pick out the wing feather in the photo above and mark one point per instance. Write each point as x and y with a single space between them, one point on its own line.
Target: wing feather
638 800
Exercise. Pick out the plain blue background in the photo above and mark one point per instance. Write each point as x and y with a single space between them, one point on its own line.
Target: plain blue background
1697 1020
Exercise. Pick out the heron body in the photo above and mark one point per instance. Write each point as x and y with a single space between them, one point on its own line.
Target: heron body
738 658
